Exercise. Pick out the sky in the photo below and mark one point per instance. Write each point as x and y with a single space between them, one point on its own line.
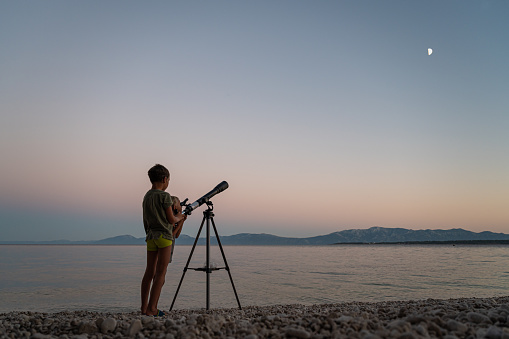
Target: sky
321 115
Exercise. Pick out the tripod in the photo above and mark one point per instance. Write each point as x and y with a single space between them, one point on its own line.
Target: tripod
209 216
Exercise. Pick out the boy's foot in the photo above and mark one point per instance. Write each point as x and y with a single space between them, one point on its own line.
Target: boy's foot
158 314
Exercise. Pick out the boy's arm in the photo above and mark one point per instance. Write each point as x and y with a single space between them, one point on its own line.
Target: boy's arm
174 218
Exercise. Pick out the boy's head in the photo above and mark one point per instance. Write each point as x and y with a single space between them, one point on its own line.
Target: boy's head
157 173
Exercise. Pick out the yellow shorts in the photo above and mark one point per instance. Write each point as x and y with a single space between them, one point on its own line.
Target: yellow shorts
153 245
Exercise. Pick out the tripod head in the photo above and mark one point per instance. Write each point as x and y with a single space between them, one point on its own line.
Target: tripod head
204 199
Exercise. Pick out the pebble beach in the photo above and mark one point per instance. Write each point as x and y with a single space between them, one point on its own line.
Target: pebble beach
430 318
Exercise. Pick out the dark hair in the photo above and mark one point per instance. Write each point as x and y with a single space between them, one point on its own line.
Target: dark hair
157 173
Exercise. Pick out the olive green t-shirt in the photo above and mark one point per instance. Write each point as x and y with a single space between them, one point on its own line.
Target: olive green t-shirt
155 222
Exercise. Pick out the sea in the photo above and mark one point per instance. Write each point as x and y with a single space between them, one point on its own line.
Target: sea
105 278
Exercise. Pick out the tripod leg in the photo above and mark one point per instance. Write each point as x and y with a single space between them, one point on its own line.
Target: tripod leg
187 264
207 264
225 262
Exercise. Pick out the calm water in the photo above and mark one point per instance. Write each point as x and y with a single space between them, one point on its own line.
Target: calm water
107 278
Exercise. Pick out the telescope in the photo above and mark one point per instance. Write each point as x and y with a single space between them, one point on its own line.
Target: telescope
208 215
191 207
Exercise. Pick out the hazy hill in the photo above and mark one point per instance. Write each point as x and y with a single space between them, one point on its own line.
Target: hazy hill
371 235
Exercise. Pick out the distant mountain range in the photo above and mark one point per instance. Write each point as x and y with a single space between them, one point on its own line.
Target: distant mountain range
354 236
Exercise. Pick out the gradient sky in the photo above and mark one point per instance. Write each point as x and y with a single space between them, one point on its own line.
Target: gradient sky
321 115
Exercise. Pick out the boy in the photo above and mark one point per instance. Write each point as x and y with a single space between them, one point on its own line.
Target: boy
161 212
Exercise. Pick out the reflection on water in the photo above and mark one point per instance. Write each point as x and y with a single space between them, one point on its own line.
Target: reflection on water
107 278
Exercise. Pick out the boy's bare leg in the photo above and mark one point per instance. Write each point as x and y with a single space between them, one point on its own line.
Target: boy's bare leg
163 259
150 272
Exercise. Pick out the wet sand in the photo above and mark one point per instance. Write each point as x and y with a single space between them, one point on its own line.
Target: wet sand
452 318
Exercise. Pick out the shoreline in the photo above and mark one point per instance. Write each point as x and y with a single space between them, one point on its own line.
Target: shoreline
423 242
455 318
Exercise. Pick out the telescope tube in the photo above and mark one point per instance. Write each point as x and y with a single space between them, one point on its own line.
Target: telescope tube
218 189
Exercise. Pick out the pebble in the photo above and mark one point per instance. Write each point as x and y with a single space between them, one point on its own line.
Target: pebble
456 326
297 333
145 320
170 323
477 318
135 327
87 327
452 318
494 333
40 336
108 325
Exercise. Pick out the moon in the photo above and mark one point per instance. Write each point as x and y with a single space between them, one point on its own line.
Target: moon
430 51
